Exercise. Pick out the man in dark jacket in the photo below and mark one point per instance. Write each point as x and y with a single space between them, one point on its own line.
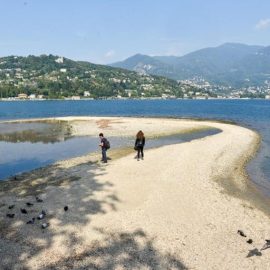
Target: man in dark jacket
103 147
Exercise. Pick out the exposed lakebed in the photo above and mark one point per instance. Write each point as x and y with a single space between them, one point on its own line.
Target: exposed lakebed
29 145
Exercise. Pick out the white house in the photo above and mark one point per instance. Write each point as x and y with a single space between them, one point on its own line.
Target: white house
22 96
86 94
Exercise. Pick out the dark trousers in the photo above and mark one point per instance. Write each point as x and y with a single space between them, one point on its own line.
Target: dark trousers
104 155
140 151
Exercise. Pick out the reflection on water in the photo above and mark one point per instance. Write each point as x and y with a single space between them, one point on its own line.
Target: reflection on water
46 132
27 146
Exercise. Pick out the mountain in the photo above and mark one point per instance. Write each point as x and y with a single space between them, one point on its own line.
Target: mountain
143 64
230 64
58 77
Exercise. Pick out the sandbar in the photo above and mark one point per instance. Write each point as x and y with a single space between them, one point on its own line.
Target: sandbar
179 208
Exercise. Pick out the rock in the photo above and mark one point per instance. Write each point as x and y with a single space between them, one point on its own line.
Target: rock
10 215
11 206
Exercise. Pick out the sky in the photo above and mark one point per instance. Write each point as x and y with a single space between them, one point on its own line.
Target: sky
106 31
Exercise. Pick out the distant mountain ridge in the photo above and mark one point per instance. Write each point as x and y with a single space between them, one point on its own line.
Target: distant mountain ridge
231 64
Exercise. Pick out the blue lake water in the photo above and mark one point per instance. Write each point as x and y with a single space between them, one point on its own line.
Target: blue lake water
254 114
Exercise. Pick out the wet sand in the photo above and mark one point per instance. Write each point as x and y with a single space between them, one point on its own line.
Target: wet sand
180 207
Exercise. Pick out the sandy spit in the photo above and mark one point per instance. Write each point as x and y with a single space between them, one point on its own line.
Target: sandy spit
179 208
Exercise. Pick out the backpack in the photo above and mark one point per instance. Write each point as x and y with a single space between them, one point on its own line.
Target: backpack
107 144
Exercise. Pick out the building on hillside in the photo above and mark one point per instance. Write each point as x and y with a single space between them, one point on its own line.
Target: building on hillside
22 96
86 94
129 92
75 97
59 60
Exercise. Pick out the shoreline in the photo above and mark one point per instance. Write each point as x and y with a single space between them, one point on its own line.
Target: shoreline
255 195
126 98
199 194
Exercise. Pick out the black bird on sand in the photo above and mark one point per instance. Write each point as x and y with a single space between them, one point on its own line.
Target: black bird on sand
41 215
31 221
11 206
266 245
66 208
241 233
23 211
39 200
29 204
254 252
10 215
249 241
45 225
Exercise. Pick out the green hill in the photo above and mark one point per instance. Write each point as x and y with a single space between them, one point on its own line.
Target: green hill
58 77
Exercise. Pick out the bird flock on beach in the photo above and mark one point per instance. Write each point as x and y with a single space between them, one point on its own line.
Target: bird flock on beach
44 224
41 216
255 251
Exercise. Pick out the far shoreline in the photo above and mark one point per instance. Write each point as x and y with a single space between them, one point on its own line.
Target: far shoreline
126 98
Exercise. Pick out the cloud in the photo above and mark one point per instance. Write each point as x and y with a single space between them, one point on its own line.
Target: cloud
109 54
263 24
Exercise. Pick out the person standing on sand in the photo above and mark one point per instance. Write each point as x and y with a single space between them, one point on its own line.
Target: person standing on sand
103 147
139 144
